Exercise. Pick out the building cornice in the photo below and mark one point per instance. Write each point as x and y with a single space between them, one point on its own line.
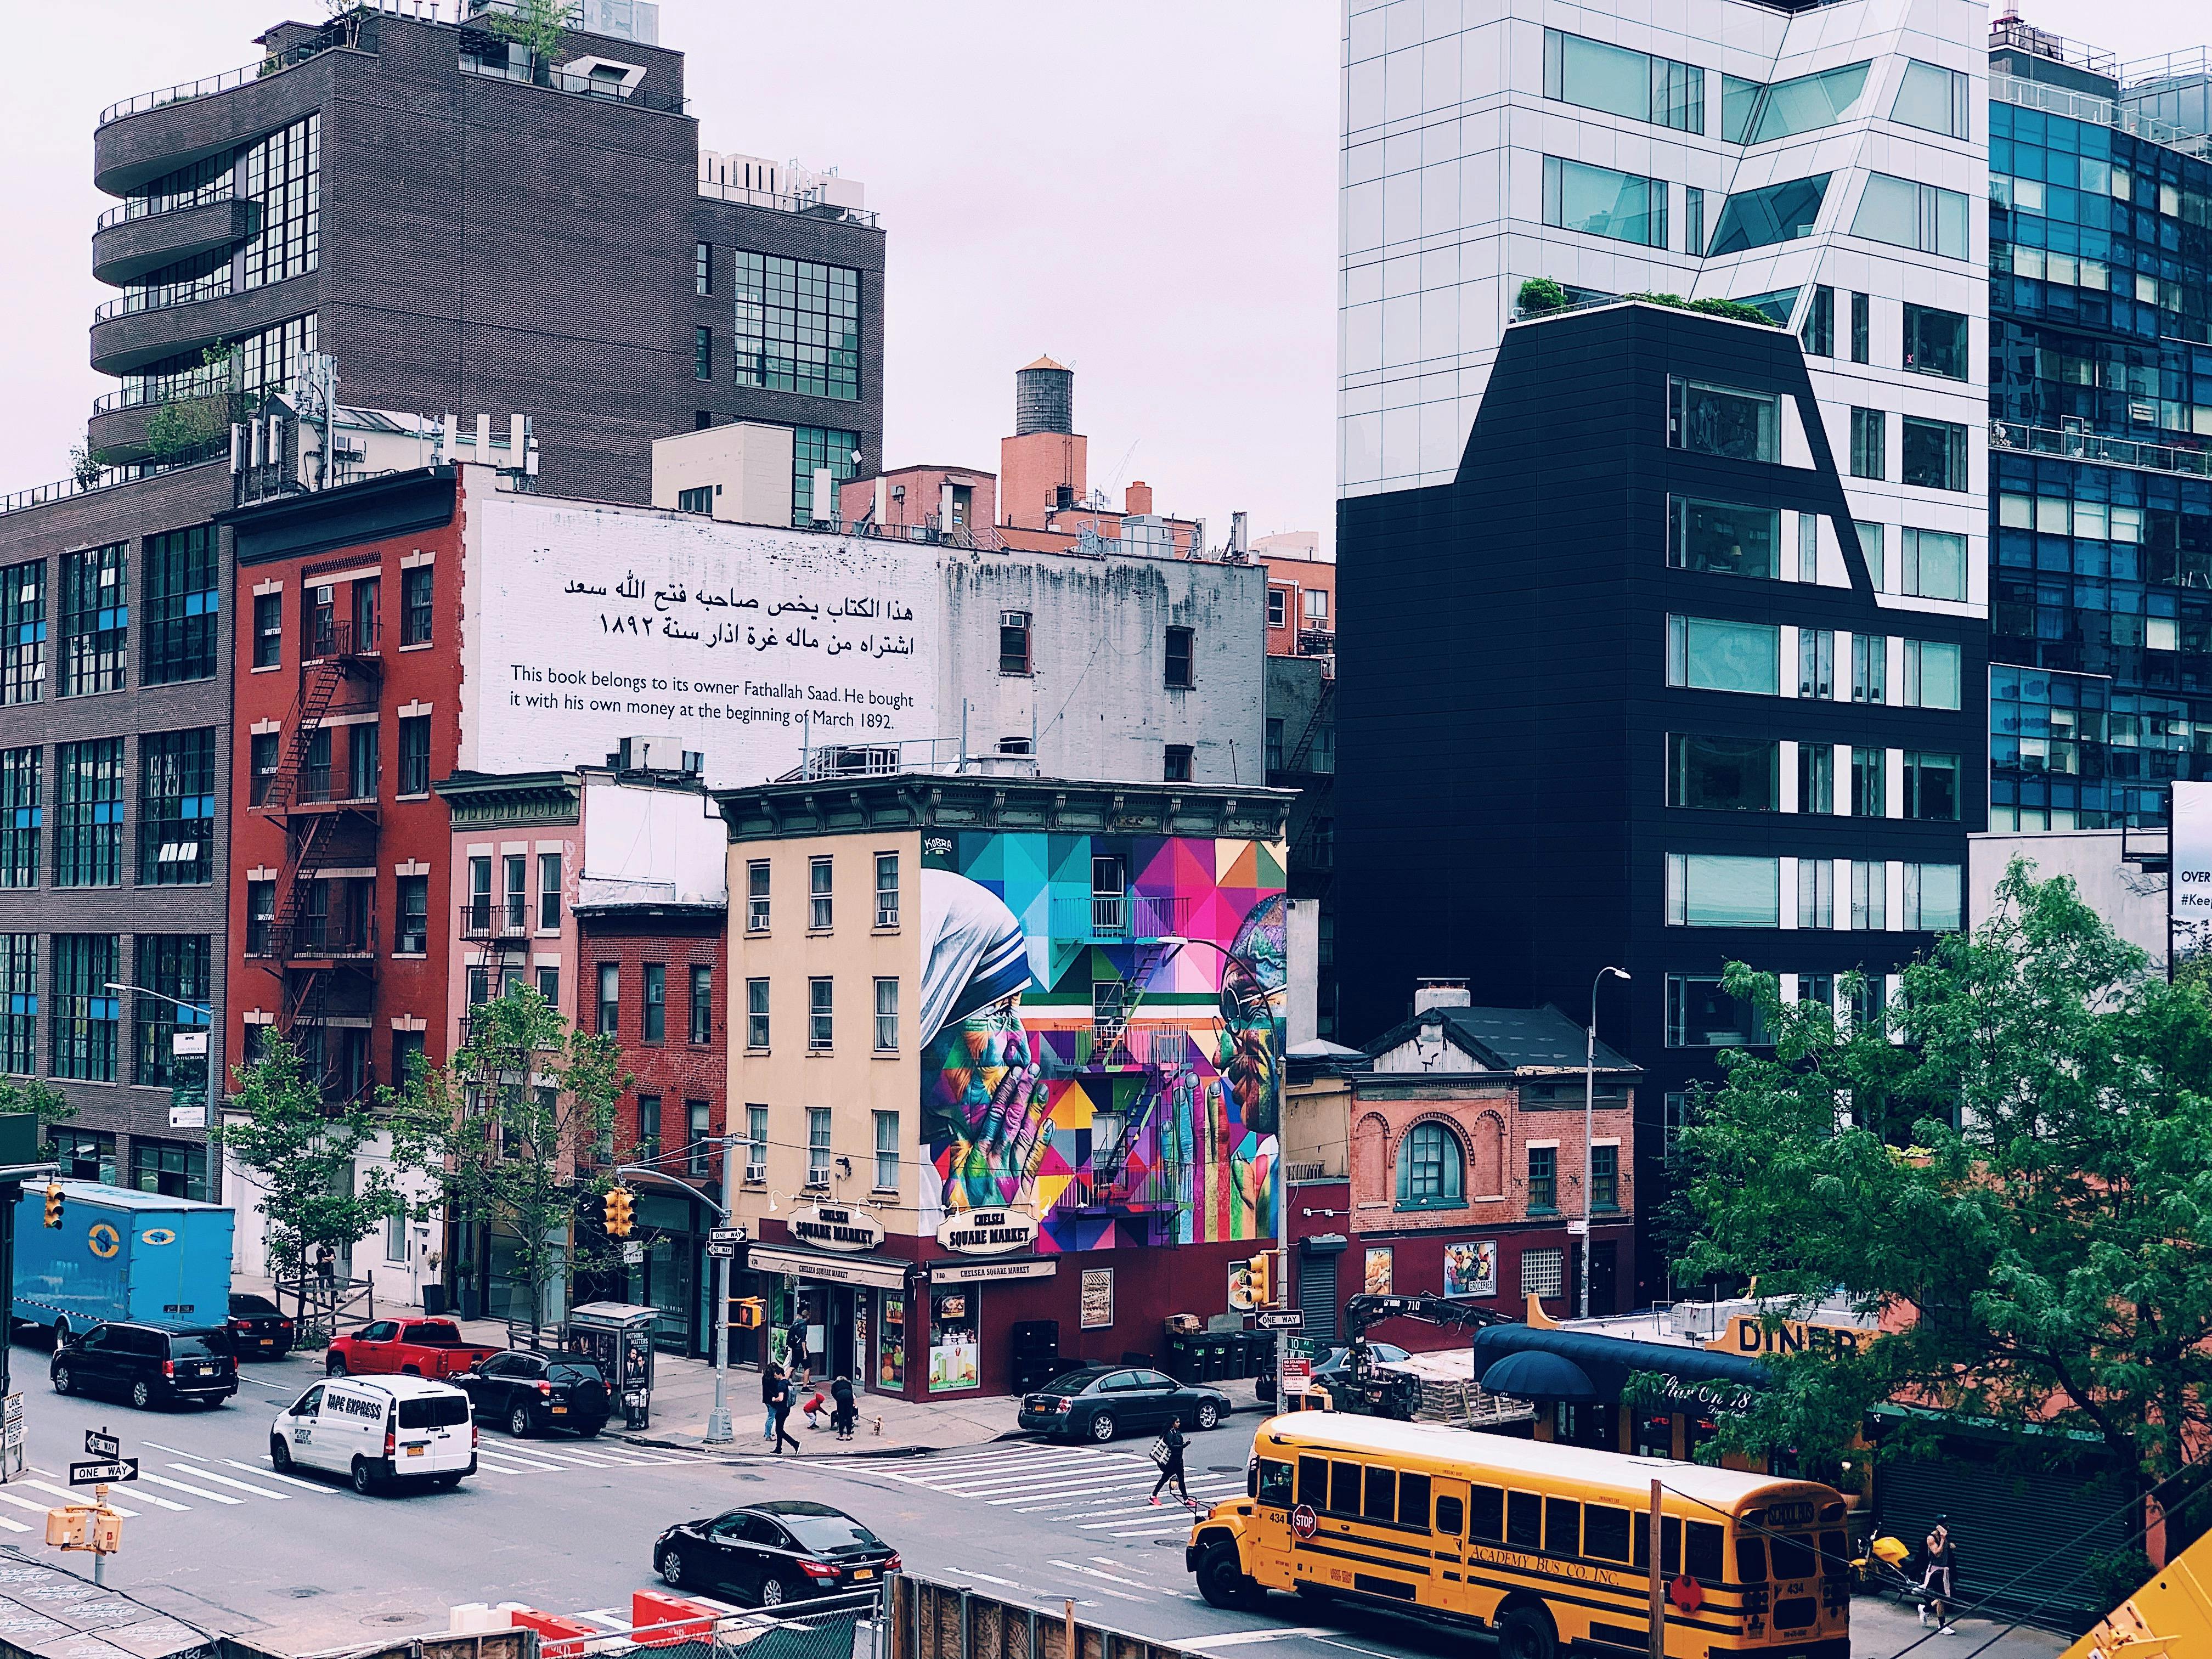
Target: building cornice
930 800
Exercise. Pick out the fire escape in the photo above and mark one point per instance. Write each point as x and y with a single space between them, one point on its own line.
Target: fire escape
322 936
498 925
1133 1069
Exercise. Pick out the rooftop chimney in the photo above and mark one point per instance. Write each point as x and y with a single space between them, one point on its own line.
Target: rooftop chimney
1044 398
1440 993
1138 498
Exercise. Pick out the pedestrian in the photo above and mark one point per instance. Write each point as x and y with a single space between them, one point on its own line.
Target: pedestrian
770 1373
1171 1441
780 1412
795 1343
326 1263
1939 1582
846 1413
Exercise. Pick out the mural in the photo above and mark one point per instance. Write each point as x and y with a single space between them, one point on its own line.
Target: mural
1102 1029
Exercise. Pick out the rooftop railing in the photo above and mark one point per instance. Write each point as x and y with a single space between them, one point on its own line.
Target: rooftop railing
812 206
166 295
579 86
343 32
2016 437
2010 34
2083 106
111 478
152 207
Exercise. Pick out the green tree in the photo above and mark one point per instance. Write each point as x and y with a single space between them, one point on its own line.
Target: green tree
509 1127
36 1095
304 1154
2015 1165
538 25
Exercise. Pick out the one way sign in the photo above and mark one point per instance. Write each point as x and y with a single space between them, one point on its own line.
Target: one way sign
97 1474
98 1443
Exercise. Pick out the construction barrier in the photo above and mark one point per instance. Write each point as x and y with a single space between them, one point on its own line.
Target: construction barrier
929 1621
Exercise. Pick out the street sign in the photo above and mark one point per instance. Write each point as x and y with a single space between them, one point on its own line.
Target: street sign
1304 1347
11 1423
730 1235
1296 1371
100 1443
633 1252
1281 1318
718 1251
101 1475
1577 1227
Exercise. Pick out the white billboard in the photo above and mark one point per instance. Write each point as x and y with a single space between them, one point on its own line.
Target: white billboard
584 624
2188 888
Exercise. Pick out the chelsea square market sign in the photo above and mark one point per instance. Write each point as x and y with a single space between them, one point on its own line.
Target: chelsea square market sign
587 624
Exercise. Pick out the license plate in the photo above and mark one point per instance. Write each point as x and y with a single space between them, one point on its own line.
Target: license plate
267 1341
558 1410
864 1572
417 1451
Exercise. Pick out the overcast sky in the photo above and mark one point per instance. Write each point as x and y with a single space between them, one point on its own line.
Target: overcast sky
1145 188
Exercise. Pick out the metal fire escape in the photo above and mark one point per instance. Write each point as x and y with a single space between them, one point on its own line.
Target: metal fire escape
1146 925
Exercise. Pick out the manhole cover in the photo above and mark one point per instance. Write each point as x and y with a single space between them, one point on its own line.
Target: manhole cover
391 1619
1225 1468
300 1593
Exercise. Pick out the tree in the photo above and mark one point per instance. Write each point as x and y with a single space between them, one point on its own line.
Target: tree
502 1128
2016 1167
537 25
37 1097
304 1155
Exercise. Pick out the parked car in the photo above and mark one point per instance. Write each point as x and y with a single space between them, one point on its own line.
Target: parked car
148 1363
1385 1353
378 1433
533 1393
258 1329
1100 1401
787 1549
411 1347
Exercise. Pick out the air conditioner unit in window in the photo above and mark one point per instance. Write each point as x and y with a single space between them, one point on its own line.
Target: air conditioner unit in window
817 1178
757 1172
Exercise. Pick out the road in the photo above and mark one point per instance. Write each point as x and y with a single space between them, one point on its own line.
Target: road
215 1537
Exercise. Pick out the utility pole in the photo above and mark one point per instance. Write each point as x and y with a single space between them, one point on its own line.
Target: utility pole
1590 1127
719 1432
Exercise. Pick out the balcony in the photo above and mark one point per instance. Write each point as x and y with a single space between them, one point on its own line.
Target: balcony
213 286
485 918
126 249
329 939
1118 918
134 329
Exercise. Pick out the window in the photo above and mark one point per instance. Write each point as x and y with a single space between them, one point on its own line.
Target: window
170 1168
798 325
1724 421
1869 668
1807 103
1819 334
21 816
1174 766
1931 675
262 762
1701 1014
1934 341
1869 895
95 621
818 894
514 909
1931 787
656 1001
85 1013
1431 1169
700 501
1816 892
23 632
1274 743
1708 890
1816 777
1729 774
702 263
417 587
1606 1530
1721 537
887 1012
180 605
1705 655
282 179
756 1014
820 1008
89 813
1693 220
260 916
479 914
1870 443
648 1128
610 999
1623 207
1932 565
756 1143
756 897
1934 100
703 365
1816 662
1598 75
1870 549
364 765
887 1152
1739 103
176 808
1179 659
1279 604
1862 328
1543 1274
19 1003
887 889
1870 773
1014 642
479 992
703 1004
175 965
818 1146
698 1125
818 448
1935 453
1932 897
549 985
413 937
1915 215
1772 213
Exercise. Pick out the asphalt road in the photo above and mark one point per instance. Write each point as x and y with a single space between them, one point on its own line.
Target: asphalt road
565 1525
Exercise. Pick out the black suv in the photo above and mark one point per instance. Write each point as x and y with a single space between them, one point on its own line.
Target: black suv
258 1327
149 1364
531 1393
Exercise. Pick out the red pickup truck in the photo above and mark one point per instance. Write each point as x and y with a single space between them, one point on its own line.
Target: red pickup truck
414 1347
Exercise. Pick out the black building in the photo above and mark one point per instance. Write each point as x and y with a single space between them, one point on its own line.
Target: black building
1302 756
463 229
1590 717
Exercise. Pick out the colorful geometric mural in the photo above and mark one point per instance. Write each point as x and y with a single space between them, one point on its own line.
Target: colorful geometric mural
1102 1033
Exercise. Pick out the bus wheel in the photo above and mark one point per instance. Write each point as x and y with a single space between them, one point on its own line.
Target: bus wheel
1221 1581
1525 1633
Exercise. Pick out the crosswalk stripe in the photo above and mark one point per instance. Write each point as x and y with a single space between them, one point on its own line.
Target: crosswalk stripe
239 1486
9 1525
508 1463
1076 1491
567 1460
178 1485
25 1503
270 1475
77 1497
1096 1469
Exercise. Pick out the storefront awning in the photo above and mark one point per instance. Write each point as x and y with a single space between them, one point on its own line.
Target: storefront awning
1698 1375
1005 1266
1538 1375
878 1273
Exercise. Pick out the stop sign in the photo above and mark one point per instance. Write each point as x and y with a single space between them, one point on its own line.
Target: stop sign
1687 1593
1304 1521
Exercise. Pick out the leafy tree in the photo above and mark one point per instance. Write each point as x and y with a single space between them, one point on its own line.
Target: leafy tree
36 1095
507 1127
538 25
1541 295
303 1153
2015 1167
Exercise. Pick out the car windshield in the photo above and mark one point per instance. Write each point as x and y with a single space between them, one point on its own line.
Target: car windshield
1072 1382
201 1345
575 1370
253 1307
440 1335
433 1410
829 1532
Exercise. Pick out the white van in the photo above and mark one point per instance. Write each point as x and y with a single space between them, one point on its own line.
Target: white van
377 1430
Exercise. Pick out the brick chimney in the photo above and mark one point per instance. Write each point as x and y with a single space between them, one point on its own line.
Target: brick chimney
1138 498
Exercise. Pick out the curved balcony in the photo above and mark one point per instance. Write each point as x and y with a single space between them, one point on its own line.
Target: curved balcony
128 434
126 250
142 139
126 340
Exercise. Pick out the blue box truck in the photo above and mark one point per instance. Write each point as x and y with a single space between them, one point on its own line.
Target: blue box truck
120 1254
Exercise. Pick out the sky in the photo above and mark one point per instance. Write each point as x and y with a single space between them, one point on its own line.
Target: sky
1143 188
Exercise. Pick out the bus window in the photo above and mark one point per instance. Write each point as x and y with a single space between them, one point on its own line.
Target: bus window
1605 1532
1702 1556
1670 1543
1563 1526
1382 1494
1835 1559
1413 1502
1274 1483
1524 1520
1793 1557
1751 1560
1344 1488
1313 1482
1487 1513
1449 1518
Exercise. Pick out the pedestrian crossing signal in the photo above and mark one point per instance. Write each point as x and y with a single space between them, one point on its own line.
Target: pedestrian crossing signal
53 1204
751 1313
618 1211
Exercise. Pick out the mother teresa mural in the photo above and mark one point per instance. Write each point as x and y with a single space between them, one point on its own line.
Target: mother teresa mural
1102 1033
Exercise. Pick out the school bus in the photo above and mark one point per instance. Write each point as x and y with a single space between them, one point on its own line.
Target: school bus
1542 1545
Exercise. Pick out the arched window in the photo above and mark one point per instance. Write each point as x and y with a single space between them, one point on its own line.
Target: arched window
1430 1173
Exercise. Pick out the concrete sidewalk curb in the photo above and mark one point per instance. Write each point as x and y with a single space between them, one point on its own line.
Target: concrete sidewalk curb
733 1454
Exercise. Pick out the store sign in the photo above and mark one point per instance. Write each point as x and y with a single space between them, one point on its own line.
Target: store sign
829 1269
1679 1394
987 1232
973 1273
1748 1334
836 1227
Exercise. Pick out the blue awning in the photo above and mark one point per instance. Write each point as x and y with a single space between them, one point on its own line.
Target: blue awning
1605 1362
1538 1375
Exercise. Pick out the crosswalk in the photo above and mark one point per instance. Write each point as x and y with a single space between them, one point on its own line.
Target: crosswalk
1077 1491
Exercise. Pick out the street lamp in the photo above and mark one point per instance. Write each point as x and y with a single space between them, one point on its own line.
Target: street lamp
1589 1123
202 1009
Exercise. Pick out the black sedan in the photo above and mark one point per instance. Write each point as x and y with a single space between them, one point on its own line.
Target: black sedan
535 1393
1100 1401
258 1329
785 1550
1383 1354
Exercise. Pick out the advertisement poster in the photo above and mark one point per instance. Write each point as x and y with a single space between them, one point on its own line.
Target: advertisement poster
1376 1282
2189 892
1097 1299
956 1351
1471 1269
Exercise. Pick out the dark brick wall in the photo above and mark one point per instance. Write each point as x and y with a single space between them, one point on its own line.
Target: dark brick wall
676 1069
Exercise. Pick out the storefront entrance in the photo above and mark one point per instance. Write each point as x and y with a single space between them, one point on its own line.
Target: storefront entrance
852 1310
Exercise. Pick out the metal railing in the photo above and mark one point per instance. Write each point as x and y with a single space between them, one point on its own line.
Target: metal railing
2083 106
111 478
344 33
1115 918
2010 34
337 639
485 917
148 392
165 295
2016 437
810 204
575 86
224 189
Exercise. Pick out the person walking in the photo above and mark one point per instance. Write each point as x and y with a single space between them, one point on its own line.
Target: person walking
846 1413
780 1412
1171 1464
1939 1582
795 1346
771 1373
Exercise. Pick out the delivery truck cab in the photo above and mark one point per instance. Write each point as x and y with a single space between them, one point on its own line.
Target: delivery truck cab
378 1431
119 1255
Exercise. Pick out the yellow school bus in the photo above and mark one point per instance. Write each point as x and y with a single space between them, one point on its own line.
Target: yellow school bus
1543 1545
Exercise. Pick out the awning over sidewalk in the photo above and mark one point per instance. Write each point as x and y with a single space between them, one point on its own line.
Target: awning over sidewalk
878 1273
1697 1378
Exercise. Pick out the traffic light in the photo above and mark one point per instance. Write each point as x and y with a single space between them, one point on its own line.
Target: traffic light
53 1204
751 1313
1263 1270
619 1204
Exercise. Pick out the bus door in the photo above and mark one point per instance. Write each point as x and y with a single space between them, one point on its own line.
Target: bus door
1447 1540
1274 1495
